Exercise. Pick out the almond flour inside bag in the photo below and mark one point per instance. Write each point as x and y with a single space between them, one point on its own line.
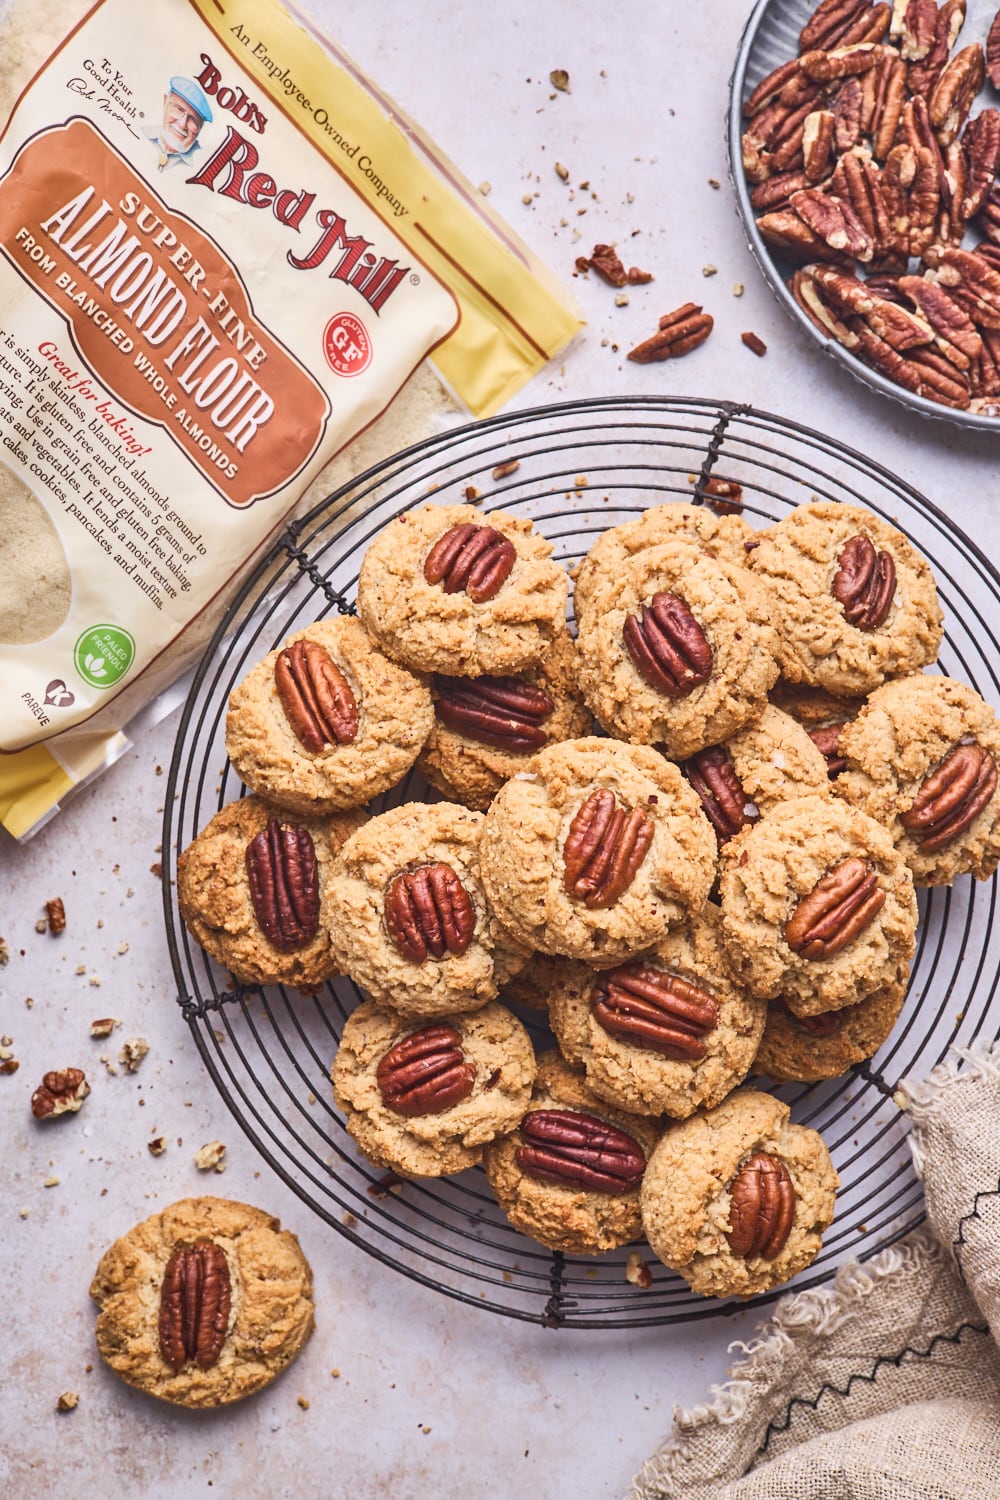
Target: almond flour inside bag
220 260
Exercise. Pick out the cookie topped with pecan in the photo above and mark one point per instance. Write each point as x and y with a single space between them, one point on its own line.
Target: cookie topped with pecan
448 588
595 850
677 649
328 721
487 728
413 923
853 599
817 905
807 1049
251 888
423 1097
203 1303
569 1176
667 1032
922 758
736 1198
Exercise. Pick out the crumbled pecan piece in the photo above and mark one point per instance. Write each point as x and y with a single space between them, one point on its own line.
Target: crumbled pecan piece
60 1092
56 914
754 343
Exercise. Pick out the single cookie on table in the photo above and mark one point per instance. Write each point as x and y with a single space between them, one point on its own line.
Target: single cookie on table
413 926
767 761
569 1175
736 1199
922 759
822 715
817 905
723 537
251 888
596 851
448 589
424 1099
666 1033
328 721
203 1303
677 649
487 728
854 601
808 1049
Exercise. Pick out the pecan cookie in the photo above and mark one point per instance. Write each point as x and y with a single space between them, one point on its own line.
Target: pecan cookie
767 761
718 536
807 1049
677 649
447 589
569 1175
666 1033
413 926
596 850
203 1303
328 721
487 728
817 905
922 758
822 715
854 600
252 891
736 1199
424 1099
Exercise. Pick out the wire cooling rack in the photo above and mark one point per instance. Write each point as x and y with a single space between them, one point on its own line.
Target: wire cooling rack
580 467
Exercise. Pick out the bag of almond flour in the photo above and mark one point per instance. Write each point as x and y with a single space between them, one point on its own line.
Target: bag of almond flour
220 260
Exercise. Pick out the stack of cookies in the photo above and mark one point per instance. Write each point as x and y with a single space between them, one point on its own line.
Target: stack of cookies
691 834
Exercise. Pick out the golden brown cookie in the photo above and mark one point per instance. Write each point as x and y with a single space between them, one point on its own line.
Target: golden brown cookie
822 715
854 600
412 923
666 1033
767 761
817 905
251 888
807 1049
718 536
487 728
922 759
327 722
677 649
447 589
203 1303
423 1099
596 851
736 1199
569 1176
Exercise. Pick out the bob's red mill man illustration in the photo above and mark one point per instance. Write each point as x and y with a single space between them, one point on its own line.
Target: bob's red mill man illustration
185 111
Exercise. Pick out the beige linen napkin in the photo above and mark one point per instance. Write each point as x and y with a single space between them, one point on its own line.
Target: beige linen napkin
886 1385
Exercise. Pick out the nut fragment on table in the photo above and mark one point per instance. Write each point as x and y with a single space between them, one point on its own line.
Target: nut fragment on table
104 1025
60 1092
209 1158
132 1053
56 914
68 1401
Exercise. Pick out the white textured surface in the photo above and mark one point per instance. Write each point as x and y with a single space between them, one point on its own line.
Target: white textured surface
434 1399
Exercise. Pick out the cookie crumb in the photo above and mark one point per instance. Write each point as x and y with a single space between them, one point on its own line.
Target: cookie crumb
510 467
157 1145
335 1372
51 1182
562 172
738 289
303 1401
4 952
900 1100
559 79
208 1158
68 1401
637 1271
710 270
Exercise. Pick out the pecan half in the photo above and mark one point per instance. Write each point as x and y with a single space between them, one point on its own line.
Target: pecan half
425 1072
761 1208
429 911
827 741
195 1301
865 583
505 712
952 796
712 774
817 143
572 1149
604 848
654 1009
829 22
59 1093
834 221
993 52
679 332
284 887
839 907
669 648
478 559
952 96
316 696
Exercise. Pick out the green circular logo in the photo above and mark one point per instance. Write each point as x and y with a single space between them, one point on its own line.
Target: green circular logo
103 655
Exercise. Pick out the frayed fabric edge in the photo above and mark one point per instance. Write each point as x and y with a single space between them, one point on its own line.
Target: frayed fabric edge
982 1064
816 1312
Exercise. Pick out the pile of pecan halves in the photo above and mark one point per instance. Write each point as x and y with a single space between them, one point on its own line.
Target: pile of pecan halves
868 170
